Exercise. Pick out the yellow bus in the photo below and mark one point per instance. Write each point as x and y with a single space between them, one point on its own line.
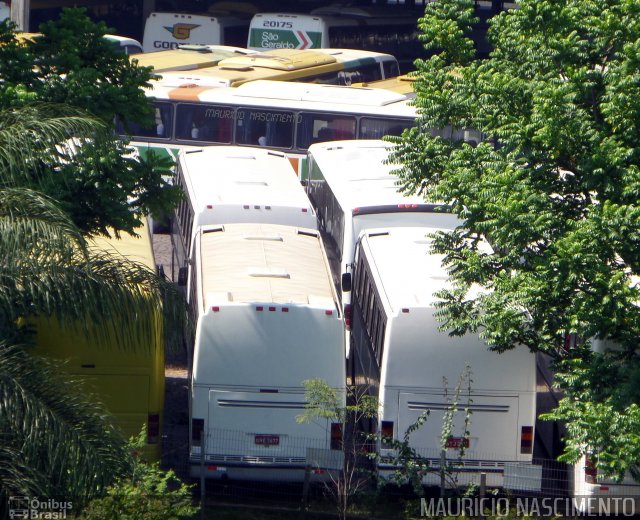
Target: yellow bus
127 378
188 57
400 85
326 66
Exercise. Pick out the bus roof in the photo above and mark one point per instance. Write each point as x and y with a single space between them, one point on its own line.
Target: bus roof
241 175
188 57
278 94
279 59
277 64
137 248
401 84
358 174
409 274
246 263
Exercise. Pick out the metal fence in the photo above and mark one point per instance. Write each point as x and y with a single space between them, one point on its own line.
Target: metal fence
244 468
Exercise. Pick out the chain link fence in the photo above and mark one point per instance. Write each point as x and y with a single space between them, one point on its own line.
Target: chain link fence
240 467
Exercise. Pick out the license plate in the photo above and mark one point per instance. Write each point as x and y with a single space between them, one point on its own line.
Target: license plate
267 440
457 442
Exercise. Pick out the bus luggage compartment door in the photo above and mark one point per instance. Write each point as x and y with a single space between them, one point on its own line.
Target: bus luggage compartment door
258 431
493 432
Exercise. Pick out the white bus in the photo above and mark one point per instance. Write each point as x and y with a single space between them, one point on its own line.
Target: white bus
166 31
232 184
326 66
593 493
353 189
289 116
267 320
401 356
388 33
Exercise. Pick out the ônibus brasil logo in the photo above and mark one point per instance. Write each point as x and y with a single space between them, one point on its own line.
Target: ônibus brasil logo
181 31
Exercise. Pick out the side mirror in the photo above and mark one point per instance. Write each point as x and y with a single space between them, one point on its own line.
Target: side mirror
346 282
183 272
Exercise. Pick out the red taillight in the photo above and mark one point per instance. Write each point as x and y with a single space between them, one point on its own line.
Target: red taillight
336 436
386 433
153 428
197 427
348 315
526 440
590 471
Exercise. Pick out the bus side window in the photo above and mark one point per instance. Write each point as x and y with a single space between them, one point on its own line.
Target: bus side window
279 134
163 120
275 127
349 77
307 131
324 134
343 128
215 125
391 69
371 128
184 122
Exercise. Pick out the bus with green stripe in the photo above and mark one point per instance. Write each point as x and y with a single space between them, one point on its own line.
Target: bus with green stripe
327 66
285 116
389 31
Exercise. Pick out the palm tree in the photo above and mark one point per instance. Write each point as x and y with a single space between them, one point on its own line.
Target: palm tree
54 440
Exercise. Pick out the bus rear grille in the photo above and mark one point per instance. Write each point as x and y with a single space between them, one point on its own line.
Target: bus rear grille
252 459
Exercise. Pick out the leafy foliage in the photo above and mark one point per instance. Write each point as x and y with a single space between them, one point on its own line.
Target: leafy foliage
148 493
56 440
553 187
70 63
412 466
51 83
332 406
62 442
59 437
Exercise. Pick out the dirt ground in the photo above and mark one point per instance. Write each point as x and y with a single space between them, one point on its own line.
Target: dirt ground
176 409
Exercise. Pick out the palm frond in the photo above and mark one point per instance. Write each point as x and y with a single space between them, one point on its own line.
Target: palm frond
59 430
31 221
49 269
31 135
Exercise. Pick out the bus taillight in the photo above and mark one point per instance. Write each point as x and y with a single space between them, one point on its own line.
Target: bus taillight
590 471
526 440
336 436
386 433
197 427
348 314
153 428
